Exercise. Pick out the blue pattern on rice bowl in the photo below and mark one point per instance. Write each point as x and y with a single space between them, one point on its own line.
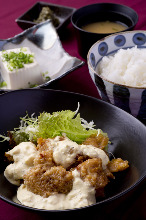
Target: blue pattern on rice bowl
129 98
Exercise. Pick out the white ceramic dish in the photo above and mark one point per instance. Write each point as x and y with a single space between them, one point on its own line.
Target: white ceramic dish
43 41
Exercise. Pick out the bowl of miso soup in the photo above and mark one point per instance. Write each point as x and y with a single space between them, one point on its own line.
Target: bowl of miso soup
94 22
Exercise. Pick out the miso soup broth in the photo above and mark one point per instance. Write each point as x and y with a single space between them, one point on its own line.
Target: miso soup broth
104 27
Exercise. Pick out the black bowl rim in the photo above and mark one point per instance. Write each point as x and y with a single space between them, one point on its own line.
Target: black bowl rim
143 177
102 77
112 4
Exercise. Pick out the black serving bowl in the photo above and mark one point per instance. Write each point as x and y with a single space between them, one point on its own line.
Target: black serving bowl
62 13
100 12
126 133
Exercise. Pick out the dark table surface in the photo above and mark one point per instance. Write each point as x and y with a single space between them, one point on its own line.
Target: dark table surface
77 81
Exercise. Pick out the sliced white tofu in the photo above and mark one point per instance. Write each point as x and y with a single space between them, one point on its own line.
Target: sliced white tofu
24 77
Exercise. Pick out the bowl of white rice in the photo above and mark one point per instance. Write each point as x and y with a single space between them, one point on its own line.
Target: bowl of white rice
117 66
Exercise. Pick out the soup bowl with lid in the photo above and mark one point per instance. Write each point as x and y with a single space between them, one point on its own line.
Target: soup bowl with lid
131 98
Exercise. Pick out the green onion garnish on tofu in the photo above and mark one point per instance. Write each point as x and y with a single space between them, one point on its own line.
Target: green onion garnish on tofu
17 60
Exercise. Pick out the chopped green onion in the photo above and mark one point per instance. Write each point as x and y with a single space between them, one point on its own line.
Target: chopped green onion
47 78
17 60
2 84
32 85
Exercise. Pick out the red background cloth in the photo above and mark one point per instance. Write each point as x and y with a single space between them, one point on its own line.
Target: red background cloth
80 83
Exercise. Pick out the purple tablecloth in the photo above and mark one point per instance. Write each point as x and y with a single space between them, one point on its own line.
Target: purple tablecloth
80 83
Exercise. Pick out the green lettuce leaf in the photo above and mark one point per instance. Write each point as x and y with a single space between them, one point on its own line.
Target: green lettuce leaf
58 123
48 125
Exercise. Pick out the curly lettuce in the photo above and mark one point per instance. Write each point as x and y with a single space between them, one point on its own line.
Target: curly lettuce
48 125
64 122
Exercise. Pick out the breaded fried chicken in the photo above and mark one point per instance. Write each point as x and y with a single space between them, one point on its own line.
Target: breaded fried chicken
45 181
99 141
116 165
91 170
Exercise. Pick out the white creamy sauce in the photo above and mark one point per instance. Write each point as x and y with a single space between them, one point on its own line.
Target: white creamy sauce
82 194
93 152
23 156
64 153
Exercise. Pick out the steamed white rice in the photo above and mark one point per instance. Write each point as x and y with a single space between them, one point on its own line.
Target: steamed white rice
126 67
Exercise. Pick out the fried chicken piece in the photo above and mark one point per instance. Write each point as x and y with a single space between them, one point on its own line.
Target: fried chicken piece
109 174
91 170
45 178
44 144
78 160
45 157
99 141
45 181
9 157
116 165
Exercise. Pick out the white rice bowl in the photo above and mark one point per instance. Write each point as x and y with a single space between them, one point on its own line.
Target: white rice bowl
126 67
